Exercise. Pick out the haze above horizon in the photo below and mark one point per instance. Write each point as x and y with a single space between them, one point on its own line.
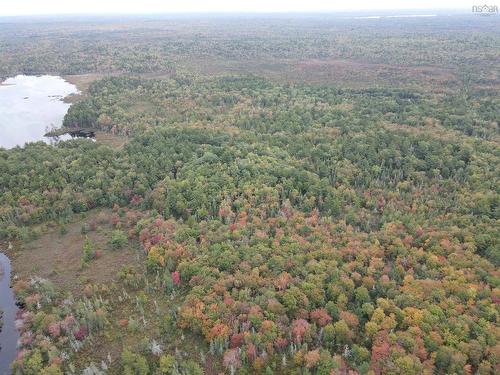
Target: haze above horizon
59 7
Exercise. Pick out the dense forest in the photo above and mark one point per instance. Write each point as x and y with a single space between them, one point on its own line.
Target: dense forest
295 196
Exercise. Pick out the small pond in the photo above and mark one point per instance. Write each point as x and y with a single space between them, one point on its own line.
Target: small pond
29 106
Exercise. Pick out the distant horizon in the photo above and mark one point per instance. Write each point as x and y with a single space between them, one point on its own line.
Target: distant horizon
152 7
402 11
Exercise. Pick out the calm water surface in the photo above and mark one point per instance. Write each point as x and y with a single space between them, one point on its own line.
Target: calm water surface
29 105
9 334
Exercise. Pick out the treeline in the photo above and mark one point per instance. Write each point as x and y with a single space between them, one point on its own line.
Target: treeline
128 105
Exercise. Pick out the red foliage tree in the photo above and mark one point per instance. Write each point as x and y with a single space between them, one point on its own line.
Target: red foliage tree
299 329
232 359
251 352
81 333
176 278
321 317
237 340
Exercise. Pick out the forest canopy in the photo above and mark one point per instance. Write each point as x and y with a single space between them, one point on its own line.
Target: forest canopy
280 226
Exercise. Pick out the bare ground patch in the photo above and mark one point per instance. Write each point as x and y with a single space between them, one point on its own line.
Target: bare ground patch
112 140
351 73
58 257
82 83
338 72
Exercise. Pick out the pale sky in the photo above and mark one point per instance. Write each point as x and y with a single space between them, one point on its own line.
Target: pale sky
31 7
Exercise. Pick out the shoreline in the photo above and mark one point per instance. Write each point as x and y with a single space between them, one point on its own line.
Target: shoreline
9 334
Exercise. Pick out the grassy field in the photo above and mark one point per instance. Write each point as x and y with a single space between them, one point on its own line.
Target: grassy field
57 257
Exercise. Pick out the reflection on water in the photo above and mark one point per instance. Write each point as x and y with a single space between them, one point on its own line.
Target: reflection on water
8 334
29 105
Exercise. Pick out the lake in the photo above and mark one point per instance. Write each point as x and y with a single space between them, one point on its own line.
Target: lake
29 105
8 333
